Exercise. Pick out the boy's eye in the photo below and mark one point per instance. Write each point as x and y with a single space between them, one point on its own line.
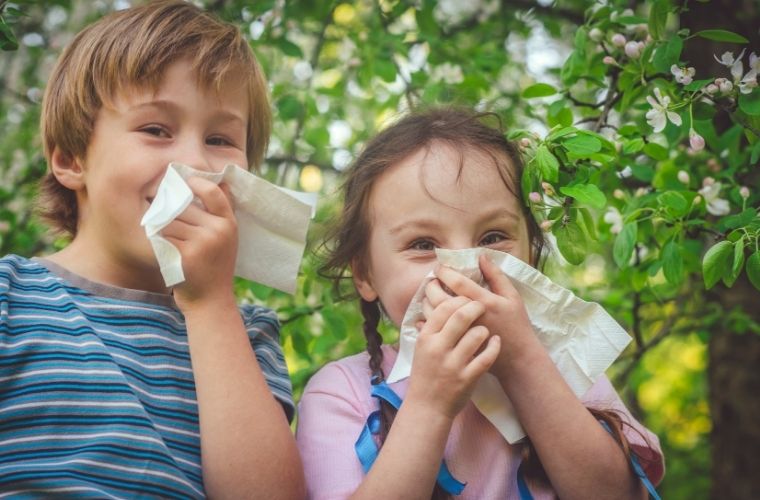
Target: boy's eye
492 238
155 130
422 245
218 141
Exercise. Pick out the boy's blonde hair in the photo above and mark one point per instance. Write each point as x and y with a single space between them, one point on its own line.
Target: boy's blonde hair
131 49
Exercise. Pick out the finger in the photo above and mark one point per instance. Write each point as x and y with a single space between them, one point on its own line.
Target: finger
427 308
460 321
193 215
211 195
435 293
437 319
178 230
472 341
460 284
497 281
485 359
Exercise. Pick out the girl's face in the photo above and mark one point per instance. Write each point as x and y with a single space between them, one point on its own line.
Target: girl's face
427 202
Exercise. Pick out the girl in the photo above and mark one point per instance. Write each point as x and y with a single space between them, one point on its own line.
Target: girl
445 179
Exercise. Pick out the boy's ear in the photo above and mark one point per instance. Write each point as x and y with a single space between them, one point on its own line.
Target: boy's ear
67 169
362 284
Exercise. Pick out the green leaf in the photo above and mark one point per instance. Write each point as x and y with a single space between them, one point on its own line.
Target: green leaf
385 69
586 193
336 324
561 133
697 84
672 262
667 54
674 203
288 107
571 242
753 269
750 103
655 151
755 155
739 220
717 262
582 144
738 262
587 222
624 244
633 146
289 48
721 36
658 17
539 90
548 164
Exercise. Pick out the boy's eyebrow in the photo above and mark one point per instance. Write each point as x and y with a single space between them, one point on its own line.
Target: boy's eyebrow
222 114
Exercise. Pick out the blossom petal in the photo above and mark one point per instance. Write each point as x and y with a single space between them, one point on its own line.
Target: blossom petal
719 206
657 121
675 118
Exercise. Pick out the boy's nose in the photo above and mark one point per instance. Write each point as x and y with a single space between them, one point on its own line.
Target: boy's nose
194 153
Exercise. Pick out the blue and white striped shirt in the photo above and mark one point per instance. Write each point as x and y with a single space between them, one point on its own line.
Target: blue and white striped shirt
97 397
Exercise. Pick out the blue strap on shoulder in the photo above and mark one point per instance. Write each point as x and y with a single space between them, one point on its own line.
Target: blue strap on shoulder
367 450
525 494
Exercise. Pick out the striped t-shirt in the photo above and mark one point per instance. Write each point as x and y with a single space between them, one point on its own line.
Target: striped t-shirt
97 398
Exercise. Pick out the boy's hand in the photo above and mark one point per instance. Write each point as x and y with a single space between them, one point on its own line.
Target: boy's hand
207 240
450 356
505 314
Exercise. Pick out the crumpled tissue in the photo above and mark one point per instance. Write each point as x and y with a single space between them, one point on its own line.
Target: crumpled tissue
272 224
581 337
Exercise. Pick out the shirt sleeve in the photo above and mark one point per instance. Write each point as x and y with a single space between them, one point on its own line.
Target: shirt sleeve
644 443
264 333
330 419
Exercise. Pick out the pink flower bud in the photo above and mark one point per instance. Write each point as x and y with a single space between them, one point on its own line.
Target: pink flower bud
712 89
595 34
744 192
696 141
548 188
534 197
618 40
683 176
618 194
633 49
524 142
609 60
708 181
546 225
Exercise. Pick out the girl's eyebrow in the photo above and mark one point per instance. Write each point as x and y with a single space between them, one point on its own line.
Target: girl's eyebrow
417 224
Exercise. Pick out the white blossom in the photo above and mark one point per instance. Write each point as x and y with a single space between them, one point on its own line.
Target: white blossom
711 193
633 49
658 116
683 75
447 72
613 217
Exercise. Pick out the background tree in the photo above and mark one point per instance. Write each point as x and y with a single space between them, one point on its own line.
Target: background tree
639 122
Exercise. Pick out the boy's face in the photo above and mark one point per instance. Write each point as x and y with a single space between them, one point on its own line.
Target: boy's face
131 145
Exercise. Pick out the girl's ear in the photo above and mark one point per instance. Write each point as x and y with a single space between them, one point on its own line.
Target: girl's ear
67 169
362 283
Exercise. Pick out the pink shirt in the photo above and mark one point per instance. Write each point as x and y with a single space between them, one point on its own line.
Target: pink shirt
336 403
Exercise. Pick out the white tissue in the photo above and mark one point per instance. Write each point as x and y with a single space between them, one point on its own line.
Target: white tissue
581 337
272 224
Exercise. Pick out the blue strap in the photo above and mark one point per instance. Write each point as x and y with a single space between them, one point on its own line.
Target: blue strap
367 450
525 494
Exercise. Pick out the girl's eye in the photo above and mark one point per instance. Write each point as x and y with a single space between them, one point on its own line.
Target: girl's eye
422 245
218 141
492 238
155 130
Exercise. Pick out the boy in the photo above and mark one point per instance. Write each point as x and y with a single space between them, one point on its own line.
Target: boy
111 385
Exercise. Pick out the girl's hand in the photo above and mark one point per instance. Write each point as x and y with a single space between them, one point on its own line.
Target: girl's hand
207 240
450 356
505 314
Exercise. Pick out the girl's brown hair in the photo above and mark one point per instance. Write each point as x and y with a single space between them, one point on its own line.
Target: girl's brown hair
132 48
462 130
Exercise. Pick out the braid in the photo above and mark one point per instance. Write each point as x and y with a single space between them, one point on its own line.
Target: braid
371 314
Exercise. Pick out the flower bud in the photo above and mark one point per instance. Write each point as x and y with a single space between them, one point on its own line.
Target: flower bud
683 177
697 200
708 181
712 89
724 85
618 194
546 225
534 197
618 40
609 60
596 34
640 192
548 188
744 192
633 49
713 165
524 143
696 141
